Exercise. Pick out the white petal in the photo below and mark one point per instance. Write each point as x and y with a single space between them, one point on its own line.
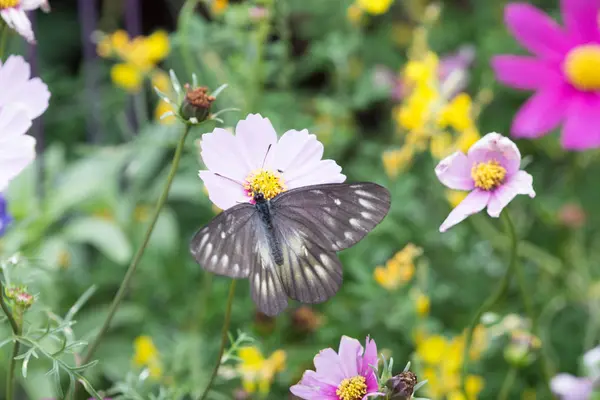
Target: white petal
17 19
223 192
256 135
472 204
14 122
454 172
222 155
494 146
15 155
519 183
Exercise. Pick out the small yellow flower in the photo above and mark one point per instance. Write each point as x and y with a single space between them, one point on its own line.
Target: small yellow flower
375 7
422 304
441 145
160 80
219 6
432 350
257 372
127 76
146 356
474 384
395 161
455 197
157 46
354 14
423 71
457 113
398 270
467 138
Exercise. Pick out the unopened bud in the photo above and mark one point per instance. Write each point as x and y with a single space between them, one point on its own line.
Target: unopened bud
402 386
20 296
196 105
521 351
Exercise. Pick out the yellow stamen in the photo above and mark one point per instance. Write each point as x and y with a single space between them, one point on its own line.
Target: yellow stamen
269 183
488 175
352 388
582 67
9 3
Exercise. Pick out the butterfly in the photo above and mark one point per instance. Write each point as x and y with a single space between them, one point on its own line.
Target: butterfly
286 246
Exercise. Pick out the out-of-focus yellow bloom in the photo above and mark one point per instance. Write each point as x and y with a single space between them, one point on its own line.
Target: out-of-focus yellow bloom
127 76
467 138
395 161
219 6
442 360
354 14
258 372
138 56
455 197
422 72
422 304
399 269
146 356
162 82
441 145
375 7
457 113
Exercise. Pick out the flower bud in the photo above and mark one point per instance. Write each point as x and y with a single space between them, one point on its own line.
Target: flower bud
20 296
402 386
521 351
196 104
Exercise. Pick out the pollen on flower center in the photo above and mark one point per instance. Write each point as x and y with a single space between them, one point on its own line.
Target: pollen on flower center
9 3
352 388
488 175
269 183
582 67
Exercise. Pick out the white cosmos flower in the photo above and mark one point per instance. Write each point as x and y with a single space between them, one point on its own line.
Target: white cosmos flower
13 12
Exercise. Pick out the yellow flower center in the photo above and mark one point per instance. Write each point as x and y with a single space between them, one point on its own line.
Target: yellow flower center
269 183
9 3
488 175
582 67
352 388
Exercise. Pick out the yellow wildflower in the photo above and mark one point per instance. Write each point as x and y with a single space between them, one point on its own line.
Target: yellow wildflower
146 356
354 14
162 82
257 372
398 270
467 138
126 76
441 145
457 113
432 349
455 197
422 304
395 161
423 71
375 7
157 46
219 6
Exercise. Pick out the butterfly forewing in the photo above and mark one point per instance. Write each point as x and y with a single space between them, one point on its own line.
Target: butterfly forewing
339 214
266 287
227 245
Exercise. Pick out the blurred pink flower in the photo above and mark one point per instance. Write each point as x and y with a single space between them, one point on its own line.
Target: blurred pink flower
347 374
254 156
569 387
13 12
563 72
491 171
21 100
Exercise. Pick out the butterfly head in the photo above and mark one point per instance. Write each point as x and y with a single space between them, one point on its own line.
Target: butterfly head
259 197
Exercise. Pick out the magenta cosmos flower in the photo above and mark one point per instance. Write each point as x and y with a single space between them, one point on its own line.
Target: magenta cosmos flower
13 12
345 375
254 158
491 171
21 100
564 72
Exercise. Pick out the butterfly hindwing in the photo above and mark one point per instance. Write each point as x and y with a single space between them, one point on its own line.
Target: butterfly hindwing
265 285
338 214
226 246
309 273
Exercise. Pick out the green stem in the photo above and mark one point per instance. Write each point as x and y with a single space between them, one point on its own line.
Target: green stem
490 302
140 252
224 338
508 383
10 377
3 39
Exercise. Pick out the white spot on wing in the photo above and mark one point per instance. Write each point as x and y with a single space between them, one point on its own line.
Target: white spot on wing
349 235
366 194
208 250
366 204
355 223
366 215
317 191
214 259
223 234
224 260
204 239
337 202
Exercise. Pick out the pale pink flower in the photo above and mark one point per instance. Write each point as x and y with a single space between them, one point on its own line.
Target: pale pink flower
491 171
13 12
254 156
21 100
347 374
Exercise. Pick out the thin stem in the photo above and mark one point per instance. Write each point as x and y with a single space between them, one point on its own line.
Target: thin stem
10 377
510 227
140 252
224 338
508 383
3 39
489 302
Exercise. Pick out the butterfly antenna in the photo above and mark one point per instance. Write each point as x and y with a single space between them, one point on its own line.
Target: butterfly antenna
229 179
265 159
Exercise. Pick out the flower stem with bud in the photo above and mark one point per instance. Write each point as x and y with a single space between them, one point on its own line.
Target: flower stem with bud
16 328
140 252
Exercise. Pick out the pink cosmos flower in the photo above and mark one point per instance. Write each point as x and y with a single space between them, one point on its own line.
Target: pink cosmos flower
13 12
569 387
563 72
253 158
347 374
491 171
21 100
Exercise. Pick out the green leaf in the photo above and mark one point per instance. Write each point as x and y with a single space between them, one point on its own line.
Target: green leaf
105 235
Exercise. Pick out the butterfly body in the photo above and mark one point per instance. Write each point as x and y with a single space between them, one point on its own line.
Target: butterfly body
286 246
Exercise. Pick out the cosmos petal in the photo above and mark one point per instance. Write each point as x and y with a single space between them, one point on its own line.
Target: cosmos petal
519 183
221 191
472 204
256 136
